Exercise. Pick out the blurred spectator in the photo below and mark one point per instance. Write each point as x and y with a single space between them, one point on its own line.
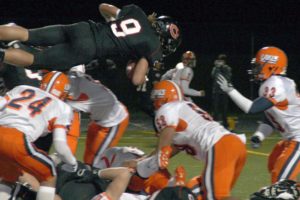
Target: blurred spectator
220 99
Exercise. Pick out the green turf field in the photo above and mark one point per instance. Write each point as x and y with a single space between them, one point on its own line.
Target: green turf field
253 177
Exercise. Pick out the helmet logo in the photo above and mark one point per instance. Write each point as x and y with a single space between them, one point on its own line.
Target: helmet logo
266 58
158 93
174 31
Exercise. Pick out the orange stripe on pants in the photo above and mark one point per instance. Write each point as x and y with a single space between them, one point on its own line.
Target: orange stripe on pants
224 164
17 155
284 161
100 138
74 132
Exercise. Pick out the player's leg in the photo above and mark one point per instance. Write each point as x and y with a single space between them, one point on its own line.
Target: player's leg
16 148
74 132
100 138
225 161
9 33
67 43
287 165
276 151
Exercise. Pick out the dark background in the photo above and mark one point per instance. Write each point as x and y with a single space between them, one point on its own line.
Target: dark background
209 27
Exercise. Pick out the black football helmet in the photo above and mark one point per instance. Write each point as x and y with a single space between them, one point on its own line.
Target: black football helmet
281 190
169 34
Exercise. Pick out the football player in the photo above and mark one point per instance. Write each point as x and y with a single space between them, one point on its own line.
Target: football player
129 33
279 100
183 126
183 75
109 117
27 114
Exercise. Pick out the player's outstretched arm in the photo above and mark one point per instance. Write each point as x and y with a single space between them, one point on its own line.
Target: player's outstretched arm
258 105
109 12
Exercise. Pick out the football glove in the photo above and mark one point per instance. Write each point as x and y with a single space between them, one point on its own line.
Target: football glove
224 84
70 168
163 157
255 141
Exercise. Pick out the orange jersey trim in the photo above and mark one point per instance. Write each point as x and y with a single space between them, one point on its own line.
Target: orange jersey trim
182 125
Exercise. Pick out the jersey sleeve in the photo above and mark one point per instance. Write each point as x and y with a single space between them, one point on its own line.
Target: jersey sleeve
187 74
273 90
168 75
64 119
166 117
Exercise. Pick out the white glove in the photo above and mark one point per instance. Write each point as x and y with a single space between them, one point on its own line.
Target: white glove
69 168
224 85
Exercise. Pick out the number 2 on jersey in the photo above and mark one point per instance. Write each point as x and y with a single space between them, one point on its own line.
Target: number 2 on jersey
35 107
126 27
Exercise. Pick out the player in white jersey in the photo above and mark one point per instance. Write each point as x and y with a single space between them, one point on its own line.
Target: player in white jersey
280 101
183 74
28 113
109 117
182 126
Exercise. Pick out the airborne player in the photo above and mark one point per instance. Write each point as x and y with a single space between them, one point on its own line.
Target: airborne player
128 33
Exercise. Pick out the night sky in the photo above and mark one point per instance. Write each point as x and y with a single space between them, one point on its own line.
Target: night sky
209 27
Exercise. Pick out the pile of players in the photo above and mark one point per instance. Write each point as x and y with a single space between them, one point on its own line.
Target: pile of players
29 114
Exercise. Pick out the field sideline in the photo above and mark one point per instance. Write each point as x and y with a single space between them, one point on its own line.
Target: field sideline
253 177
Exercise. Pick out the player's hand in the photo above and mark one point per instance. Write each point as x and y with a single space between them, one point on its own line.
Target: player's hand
202 93
86 176
163 157
255 142
224 84
69 168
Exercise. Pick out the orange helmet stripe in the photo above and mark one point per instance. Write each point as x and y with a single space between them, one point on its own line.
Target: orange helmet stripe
52 81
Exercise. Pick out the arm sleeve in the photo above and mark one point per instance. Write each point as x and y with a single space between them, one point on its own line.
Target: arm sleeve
188 91
61 146
263 130
168 74
258 105
185 80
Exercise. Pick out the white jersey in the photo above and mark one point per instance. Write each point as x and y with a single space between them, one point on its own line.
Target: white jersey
94 98
34 112
285 114
115 156
196 132
182 76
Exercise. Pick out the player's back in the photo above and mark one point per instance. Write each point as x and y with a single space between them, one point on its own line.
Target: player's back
33 111
195 128
94 98
130 35
285 114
